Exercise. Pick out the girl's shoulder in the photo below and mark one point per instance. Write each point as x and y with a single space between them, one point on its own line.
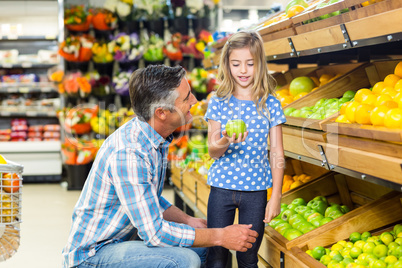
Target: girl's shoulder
272 100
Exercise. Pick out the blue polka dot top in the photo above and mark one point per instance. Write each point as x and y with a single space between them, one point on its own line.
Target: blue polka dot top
244 166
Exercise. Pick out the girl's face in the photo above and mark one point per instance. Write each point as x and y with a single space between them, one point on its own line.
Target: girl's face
241 64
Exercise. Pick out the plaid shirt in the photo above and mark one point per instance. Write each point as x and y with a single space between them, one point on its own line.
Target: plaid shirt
122 196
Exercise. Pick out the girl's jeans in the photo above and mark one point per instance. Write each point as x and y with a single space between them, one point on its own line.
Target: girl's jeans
222 206
132 254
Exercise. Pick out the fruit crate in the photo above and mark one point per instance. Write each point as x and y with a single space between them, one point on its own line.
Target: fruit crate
283 79
372 205
355 76
376 218
337 188
202 190
10 208
333 15
189 187
376 72
176 175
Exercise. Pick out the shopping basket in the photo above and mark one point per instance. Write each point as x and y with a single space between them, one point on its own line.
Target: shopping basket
10 208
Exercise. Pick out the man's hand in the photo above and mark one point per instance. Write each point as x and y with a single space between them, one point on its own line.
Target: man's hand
238 237
197 222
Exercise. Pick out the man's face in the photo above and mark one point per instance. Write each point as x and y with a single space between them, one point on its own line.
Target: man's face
181 115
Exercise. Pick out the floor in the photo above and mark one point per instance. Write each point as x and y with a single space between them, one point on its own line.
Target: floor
46 219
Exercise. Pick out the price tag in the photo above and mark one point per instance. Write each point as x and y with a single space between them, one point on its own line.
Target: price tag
24 89
26 65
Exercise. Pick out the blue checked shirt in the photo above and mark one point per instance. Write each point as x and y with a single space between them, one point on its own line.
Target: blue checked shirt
122 196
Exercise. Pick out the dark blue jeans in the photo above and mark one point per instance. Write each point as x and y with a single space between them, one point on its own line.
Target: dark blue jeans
222 206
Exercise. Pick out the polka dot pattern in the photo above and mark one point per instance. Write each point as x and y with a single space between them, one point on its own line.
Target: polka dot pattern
244 166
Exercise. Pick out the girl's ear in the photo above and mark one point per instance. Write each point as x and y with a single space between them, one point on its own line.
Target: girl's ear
160 113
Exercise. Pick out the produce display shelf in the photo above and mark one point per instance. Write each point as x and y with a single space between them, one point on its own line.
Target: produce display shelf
31 113
27 65
27 38
27 87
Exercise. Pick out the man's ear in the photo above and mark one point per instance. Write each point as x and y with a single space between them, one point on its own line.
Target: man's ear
160 113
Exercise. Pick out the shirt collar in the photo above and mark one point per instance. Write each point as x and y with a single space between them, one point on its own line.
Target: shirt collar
155 139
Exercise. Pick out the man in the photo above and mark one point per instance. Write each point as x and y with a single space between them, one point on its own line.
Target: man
121 200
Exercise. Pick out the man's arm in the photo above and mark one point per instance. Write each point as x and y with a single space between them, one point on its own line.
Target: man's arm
175 214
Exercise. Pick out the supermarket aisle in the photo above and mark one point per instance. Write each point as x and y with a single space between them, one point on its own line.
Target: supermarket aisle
46 218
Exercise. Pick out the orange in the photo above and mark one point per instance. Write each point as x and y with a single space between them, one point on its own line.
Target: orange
362 114
377 115
398 85
369 99
398 69
316 81
282 92
362 94
324 78
335 77
300 95
285 100
390 104
389 90
382 98
342 111
342 119
398 99
369 2
314 88
393 118
294 10
391 80
378 87
351 110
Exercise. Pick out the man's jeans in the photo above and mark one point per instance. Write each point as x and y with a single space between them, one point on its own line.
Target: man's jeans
136 254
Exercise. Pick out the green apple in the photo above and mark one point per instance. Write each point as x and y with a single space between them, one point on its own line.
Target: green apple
288 111
301 209
301 84
365 235
386 238
274 222
295 218
314 215
280 228
316 221
380 251
287 213
307 227
305 113
236 126
318 252
325 220
354 237
308 213
345 209
350 94
299 201
369 247
295 113
292 234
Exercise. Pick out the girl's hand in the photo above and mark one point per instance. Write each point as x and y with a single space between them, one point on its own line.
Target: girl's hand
233 139
273 209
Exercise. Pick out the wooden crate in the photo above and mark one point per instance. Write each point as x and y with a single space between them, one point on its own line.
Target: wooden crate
377 215
354 78
272 254
176 175
202 193
357 194
376 72
356 12
189 184
283 79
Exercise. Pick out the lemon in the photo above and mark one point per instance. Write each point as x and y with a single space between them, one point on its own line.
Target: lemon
2 160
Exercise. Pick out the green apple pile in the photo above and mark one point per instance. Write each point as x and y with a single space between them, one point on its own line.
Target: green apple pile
322 108
300 217
363 250
326 16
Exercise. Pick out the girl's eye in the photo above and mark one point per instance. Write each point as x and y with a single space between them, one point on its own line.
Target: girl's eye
250 64
235 65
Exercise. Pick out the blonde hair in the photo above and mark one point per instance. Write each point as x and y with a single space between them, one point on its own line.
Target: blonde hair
264 83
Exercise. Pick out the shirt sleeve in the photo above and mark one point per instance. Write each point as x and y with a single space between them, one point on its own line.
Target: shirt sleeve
137 190
277 116
213 110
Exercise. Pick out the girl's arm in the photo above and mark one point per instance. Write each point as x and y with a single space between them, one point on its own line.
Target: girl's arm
277 162
218 145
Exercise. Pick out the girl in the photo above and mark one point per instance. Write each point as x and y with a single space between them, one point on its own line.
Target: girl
241 174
